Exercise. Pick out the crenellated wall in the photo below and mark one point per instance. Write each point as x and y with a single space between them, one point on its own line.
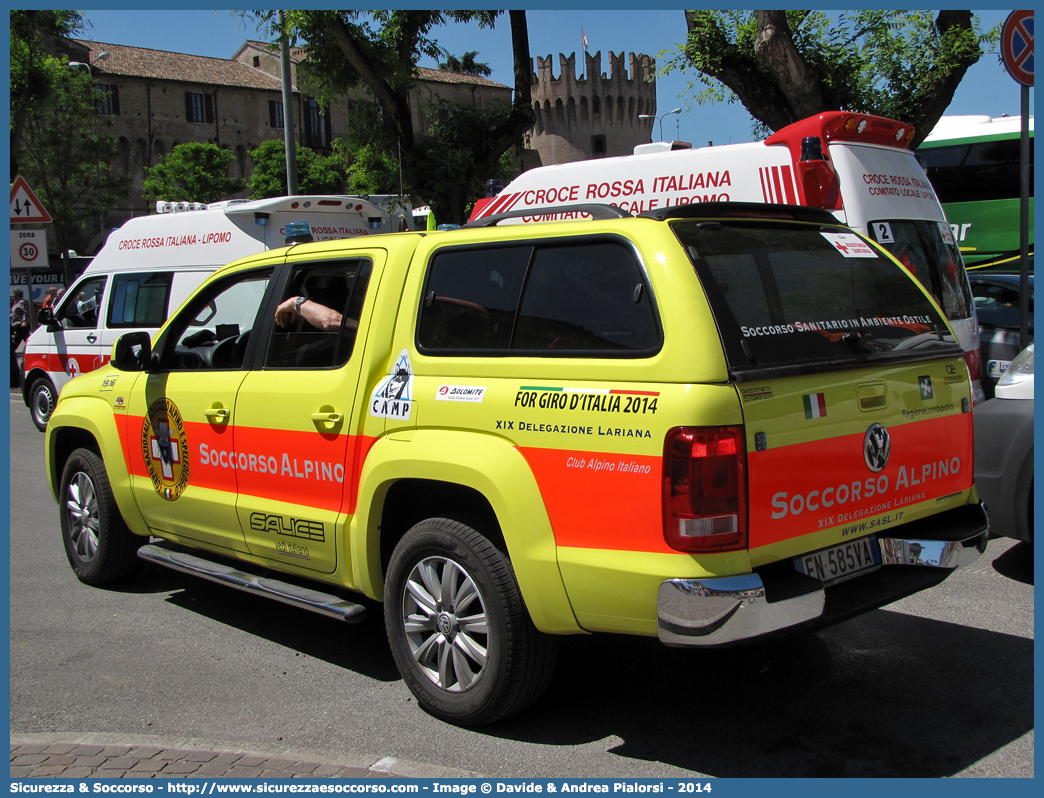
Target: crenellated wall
593 115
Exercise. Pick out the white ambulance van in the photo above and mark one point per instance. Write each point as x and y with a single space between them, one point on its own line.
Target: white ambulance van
857 166
152 263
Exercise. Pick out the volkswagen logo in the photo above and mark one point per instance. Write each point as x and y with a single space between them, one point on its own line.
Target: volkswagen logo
445 623
877 445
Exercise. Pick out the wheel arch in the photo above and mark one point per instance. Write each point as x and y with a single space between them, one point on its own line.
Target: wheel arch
32 376
477 478
74 425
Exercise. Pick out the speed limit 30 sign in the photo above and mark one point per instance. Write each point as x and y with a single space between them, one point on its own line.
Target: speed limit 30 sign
29 252
28 248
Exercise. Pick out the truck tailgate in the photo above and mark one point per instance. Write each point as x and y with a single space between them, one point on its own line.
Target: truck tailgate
846 453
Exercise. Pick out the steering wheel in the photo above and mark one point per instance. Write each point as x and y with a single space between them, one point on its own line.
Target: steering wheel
239 351
224 354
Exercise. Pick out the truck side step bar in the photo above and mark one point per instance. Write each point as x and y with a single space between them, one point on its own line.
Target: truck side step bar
301 597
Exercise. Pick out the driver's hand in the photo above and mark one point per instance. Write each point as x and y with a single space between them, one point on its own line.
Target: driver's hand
285 312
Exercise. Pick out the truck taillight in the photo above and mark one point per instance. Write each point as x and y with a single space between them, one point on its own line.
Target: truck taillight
973 359
705 489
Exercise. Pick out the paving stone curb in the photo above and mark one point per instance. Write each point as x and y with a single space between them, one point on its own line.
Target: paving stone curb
101 755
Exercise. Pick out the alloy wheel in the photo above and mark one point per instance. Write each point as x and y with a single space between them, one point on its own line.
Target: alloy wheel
444 617
81 507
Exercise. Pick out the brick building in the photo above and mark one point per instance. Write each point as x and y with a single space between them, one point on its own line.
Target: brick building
159 99
595 115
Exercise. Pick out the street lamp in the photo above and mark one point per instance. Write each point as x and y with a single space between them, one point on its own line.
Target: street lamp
653 116
101 57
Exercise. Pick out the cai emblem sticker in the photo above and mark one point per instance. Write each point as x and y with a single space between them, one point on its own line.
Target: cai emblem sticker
164 446
925 385
850 245
393 396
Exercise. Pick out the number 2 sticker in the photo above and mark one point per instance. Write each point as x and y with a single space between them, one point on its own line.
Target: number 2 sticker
883 233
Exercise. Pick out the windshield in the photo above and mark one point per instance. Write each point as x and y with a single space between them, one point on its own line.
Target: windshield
928 250
788 294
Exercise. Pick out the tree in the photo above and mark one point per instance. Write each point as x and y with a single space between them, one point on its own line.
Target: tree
788 65
195 171
315 174
66 154
466 65
378 51
34 47
370 167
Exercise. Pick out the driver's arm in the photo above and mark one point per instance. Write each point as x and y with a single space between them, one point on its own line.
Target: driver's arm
319 316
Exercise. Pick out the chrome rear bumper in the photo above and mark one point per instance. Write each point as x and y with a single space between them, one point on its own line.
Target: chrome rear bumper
724 610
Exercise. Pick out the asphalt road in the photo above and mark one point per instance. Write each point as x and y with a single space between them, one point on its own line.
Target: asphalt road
937 685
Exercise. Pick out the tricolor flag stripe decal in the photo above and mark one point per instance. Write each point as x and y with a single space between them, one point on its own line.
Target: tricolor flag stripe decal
589 390
815 405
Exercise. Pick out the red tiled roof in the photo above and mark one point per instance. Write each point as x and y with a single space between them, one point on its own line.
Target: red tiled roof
435 75
142 63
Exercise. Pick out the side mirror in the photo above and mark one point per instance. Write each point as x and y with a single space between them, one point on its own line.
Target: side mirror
133 352
44 316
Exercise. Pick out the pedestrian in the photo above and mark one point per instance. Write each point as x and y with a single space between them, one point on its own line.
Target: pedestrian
19 331
50 298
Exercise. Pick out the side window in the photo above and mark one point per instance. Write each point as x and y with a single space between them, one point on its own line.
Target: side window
139 300
470 298
212 332
80 310
323 334
586 298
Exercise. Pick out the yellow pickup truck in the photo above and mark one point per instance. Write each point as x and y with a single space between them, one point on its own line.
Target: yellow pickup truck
708 423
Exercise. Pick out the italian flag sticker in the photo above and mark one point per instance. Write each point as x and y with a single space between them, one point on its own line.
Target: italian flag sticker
815 405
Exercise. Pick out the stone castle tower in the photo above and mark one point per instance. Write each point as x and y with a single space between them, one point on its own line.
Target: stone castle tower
596 115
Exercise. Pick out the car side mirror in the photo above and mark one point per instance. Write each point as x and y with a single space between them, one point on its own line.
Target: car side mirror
133 352
44 316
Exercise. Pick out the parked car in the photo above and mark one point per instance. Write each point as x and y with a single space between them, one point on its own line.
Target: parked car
998 306
707 424
1004 451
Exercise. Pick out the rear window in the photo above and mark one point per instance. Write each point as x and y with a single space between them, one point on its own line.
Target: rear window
583 298
787 294
928 250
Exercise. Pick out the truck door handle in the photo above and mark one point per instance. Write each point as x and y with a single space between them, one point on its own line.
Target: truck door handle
328 418
91 338
218 414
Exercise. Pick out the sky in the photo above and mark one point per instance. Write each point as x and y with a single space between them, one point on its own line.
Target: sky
986 89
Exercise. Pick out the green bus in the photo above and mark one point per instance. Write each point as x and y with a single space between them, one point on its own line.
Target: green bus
973 164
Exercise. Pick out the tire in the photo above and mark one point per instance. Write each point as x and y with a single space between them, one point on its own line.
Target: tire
42 398
458 628
100 547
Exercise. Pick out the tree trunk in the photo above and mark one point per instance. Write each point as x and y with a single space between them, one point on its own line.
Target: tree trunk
942 87
775 53
758 92
394 106
523 60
